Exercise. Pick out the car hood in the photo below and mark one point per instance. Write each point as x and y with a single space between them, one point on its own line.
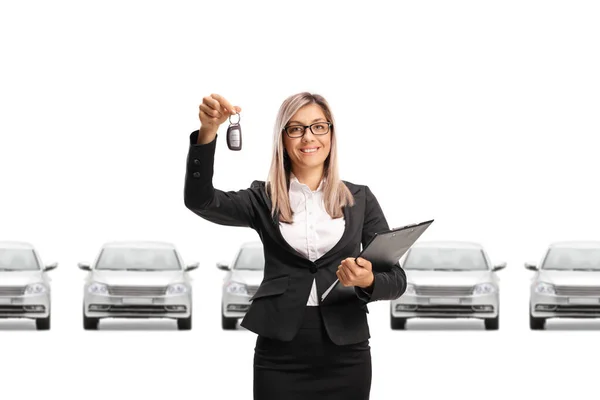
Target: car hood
570 278
19 278
252 278
447 278
137 278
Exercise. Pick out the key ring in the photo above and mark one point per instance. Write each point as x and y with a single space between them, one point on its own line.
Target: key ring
238 121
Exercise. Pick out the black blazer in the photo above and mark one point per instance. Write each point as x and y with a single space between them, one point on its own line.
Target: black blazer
277 307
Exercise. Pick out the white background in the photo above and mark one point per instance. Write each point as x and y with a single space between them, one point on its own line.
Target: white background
479 114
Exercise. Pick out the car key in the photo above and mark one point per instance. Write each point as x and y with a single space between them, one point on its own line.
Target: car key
234 135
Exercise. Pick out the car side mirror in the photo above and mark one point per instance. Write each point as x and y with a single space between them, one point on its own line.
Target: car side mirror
84 266
191 267
50 267
223 265
531 266
500 266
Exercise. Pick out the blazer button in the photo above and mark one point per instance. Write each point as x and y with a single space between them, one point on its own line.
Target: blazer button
196 174
196 161
313 269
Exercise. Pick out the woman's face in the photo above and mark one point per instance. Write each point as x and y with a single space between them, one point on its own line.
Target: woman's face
297 147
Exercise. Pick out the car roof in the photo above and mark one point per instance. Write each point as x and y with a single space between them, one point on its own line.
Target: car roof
447 244
139 244
14 244
575 244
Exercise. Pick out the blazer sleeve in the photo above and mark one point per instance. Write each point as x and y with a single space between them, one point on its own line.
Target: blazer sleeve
232 208
387 285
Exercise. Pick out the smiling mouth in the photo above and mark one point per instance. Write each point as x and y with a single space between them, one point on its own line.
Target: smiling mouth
309 151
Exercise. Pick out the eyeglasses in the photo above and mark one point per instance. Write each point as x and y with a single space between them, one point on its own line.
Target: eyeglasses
318 128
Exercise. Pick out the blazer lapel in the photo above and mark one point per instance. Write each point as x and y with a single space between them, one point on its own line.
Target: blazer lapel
349 227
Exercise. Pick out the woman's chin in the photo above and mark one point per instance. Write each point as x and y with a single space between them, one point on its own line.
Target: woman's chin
311 163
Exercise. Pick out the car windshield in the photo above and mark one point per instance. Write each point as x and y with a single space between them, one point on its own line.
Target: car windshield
573 259
18 260
445 259
138 259
250 259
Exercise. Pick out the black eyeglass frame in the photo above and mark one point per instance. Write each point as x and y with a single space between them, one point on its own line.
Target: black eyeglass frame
329 125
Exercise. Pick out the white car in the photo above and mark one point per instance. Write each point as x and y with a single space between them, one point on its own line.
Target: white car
448 279
566 284
24 284
241 282
137 279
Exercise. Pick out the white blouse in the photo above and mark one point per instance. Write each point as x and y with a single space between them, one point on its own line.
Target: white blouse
313 231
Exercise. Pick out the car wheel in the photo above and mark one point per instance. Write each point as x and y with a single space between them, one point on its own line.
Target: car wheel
90 323
184 324
536 323
492 324
42 324
227 323
397 323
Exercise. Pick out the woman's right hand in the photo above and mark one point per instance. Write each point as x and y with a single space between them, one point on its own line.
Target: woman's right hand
214 110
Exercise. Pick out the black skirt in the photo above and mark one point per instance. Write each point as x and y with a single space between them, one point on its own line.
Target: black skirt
311 366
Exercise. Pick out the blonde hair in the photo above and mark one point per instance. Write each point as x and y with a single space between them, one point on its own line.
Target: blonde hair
335 193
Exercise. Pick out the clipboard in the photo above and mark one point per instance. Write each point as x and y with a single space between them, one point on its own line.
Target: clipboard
386 248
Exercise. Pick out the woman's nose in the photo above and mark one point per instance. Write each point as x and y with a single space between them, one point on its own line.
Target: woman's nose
307 133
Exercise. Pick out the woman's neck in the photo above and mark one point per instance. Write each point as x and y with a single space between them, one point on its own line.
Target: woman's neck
311 178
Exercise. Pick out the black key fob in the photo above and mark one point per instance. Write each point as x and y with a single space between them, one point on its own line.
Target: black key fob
234 135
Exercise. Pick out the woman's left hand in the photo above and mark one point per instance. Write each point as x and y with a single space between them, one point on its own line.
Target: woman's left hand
351 273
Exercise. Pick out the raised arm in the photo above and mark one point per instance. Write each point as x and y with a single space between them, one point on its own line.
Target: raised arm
232 208
387 285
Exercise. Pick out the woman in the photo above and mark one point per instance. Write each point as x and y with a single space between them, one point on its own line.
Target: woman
312 225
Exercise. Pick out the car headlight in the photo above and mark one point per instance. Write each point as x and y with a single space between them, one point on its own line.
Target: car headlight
35 288
98 288
545 288
410 289
176 288
484 288
237 288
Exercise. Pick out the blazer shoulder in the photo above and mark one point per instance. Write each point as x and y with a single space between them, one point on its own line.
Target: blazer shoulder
258 185
355 187
260 188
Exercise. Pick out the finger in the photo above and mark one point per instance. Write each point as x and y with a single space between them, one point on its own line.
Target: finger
212 103
205 117
340 277
237 109
226 104
209 118
361 262
343 277
350 276
347 281
210 111
351 273
354 269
